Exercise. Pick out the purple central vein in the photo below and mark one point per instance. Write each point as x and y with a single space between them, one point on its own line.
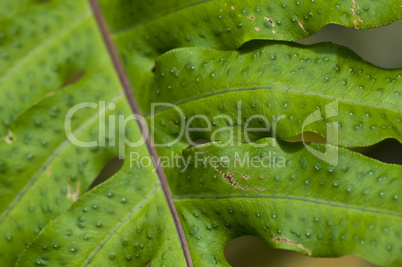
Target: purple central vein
134 106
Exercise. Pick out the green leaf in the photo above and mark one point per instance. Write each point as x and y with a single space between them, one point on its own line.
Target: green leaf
37 53
50 63
121 222
142 31
204 57
284 82
290 199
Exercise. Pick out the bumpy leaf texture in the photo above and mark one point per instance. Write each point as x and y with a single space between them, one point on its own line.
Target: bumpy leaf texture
206 57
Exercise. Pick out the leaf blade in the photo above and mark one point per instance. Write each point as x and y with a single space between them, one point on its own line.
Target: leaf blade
320 211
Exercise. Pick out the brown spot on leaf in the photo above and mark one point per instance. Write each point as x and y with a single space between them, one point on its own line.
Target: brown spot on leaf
73 195
270 21
9 138
302 25
355 25
354 2
48 171
50 94
290 242
227 176
251 17
355 15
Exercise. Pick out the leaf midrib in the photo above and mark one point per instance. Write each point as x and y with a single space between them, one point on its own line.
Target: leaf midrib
125 83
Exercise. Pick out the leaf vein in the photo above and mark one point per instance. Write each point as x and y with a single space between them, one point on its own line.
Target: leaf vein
133 27
109 236
44 44
292 198
35 177
271 88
